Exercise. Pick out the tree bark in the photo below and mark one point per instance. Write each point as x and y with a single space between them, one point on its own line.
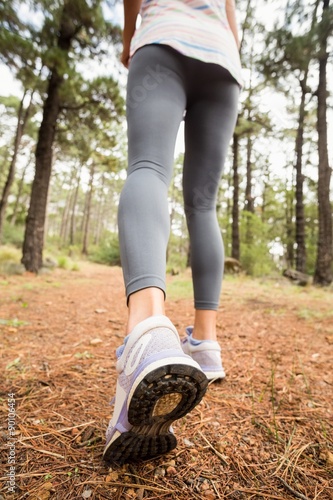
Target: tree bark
235 244
290 228
65 220
100 210
88 211
299 210
63 233
323 272
34 234
33 243
73 212
249 201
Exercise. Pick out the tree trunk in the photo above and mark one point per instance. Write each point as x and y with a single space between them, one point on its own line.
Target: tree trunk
21 121
65 218
249 201
88 211
249 204
33 243
323 272
299 211
34 234
76 194
227 239
235 244
100 211
300 218
266 184
290 228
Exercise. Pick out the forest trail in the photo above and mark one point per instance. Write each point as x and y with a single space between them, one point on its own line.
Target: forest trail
265 432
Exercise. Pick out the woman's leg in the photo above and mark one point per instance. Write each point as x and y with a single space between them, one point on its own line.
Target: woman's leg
155 106
209 125
157 382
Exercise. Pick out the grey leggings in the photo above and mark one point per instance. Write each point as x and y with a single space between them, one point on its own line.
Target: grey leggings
162 85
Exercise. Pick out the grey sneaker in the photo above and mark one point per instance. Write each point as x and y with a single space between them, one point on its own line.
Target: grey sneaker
207 353
157 384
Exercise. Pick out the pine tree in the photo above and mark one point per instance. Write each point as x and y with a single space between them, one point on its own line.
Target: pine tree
70 29
323 272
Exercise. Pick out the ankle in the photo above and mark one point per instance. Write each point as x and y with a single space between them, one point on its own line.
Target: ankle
144 304
204 325
203 334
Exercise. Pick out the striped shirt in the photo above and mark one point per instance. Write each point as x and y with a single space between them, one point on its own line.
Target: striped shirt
195 28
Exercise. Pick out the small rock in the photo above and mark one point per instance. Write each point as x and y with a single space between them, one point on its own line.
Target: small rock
131 493
209 494
264 455
329 458
326 456
220 447
159 471
171 471
48 485
96 341
113 476
100 311
188 443
205 486
172 463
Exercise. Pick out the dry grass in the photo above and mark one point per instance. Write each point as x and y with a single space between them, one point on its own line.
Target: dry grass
263 433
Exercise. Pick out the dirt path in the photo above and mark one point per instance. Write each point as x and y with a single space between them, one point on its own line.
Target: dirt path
264 432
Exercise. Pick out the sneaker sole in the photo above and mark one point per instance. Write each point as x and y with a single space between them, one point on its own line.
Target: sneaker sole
213 376
163 396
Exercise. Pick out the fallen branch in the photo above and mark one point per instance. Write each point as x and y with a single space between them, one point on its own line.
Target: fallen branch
291 490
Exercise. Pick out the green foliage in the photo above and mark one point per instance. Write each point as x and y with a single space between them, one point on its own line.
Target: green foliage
13 235
255 257
107 252
290 48
9 253
65 262
11 103
10 258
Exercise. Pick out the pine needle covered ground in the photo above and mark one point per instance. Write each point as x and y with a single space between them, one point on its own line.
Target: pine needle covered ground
265 432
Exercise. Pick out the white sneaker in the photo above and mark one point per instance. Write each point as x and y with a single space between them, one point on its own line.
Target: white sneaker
157 384
207 353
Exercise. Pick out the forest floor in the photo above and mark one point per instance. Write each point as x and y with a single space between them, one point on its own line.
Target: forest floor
265 432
